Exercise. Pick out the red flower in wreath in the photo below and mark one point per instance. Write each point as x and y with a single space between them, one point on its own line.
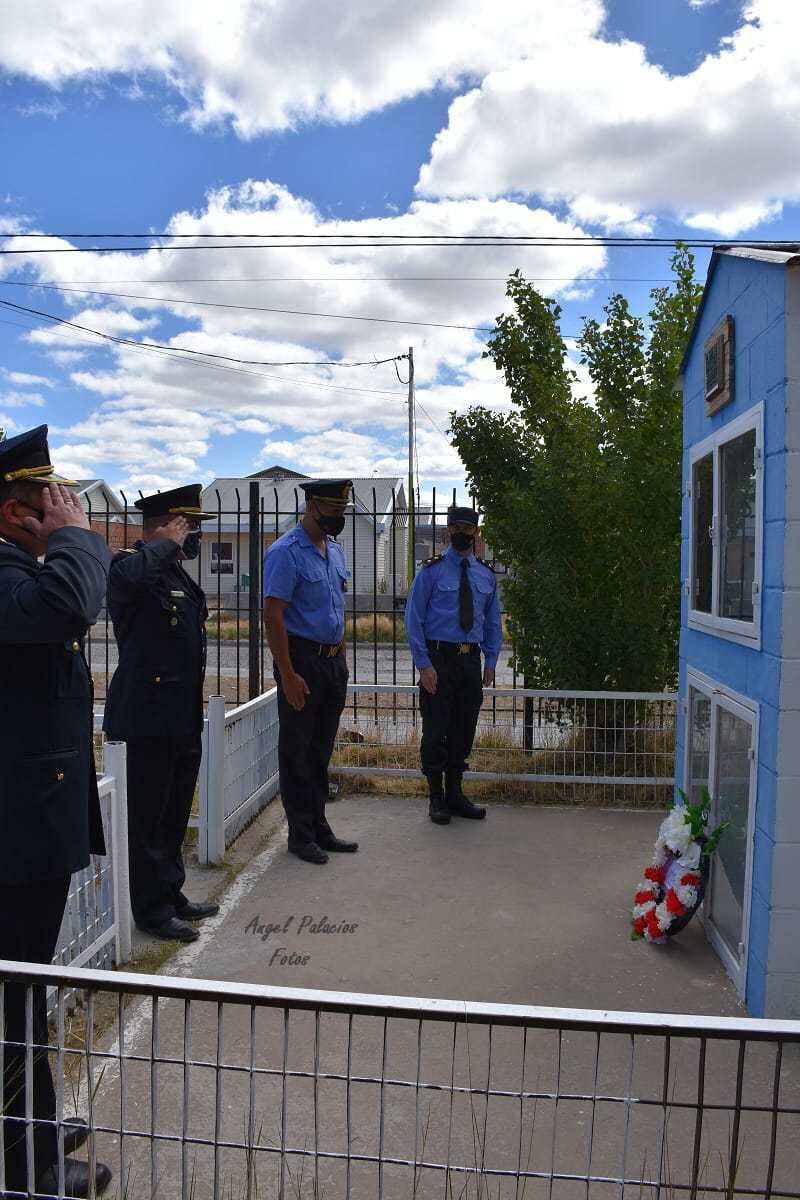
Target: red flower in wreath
652 925
656 874
673 903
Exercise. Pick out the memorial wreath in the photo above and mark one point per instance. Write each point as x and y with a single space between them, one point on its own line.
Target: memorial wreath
675 882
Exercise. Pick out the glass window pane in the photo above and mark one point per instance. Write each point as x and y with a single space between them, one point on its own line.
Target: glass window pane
731 803
702 550
738 526
699 733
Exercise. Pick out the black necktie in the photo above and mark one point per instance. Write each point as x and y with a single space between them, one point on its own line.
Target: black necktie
466 611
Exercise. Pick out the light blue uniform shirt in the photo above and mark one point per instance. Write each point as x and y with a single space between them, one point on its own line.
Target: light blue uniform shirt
432 608
314 586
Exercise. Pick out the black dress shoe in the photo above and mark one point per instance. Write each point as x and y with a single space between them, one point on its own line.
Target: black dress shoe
457 802
308 851
337 844
460 806
196 912
173 930
76 1131
77 1179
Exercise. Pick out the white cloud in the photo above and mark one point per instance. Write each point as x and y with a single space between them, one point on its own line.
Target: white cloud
24 379
268 64
51 109
19 399
159 414
616 138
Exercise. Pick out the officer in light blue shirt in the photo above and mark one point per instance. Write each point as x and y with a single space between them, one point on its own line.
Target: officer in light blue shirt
452 614
305 580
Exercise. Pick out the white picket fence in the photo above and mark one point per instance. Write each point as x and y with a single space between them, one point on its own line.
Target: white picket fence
96 927
239 771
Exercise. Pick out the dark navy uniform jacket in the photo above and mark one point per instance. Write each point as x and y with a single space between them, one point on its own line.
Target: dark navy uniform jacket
159 616
49 811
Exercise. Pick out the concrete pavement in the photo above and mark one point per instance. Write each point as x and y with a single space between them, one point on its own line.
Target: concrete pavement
530 907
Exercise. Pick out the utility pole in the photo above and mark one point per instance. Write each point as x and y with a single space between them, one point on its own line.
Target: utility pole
411 505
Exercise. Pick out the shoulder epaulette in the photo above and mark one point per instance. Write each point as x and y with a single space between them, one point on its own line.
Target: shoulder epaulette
3 542
127 550
484 563
428 562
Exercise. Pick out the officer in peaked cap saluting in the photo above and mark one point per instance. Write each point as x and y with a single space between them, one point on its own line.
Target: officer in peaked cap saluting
452 613
49 811
305 578
155 703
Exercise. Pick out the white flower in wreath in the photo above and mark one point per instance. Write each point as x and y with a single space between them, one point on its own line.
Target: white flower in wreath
676 831
690 858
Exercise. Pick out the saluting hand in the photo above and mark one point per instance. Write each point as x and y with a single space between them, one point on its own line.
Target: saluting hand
176 529
429 679
61 508
295 689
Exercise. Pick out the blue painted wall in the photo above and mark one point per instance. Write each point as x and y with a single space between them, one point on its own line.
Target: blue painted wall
754 294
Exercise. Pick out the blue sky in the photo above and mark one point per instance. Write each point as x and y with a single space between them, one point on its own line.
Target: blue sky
661 116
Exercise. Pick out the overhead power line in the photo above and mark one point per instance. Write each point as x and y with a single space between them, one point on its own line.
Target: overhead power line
291 312
345 241
92 283
247 362
70 336
318 235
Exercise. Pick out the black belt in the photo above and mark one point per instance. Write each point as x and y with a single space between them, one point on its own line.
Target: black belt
454 647
321 649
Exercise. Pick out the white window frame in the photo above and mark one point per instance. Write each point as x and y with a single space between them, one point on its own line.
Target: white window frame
746 633
744 708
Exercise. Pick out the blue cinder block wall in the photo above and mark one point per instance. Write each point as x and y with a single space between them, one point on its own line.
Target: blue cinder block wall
754 294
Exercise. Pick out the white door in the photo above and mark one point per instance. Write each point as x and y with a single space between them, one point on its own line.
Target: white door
722 753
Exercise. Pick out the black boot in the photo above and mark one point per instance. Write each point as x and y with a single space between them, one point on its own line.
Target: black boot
439 812
457 803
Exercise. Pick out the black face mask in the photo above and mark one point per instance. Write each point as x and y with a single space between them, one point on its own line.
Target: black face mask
461 541
191 544
330 525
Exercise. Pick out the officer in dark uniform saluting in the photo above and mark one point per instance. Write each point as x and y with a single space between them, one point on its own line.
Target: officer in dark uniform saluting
305 578
452 613
155 703
50 818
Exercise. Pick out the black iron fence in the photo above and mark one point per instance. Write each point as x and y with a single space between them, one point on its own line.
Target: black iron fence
381 544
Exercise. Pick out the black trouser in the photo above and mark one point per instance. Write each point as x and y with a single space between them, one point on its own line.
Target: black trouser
30 918
162 774
306 739
450 715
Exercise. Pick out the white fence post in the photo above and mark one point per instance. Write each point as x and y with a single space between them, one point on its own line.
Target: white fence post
115 764
215 796
202 809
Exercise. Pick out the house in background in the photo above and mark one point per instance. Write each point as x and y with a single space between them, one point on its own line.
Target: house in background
374 538
739 716
107 513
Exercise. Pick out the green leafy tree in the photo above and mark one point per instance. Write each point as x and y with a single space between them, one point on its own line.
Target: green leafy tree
582 495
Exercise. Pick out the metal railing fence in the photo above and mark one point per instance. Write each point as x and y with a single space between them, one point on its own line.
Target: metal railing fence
239 770
620 746
375 540
205 1089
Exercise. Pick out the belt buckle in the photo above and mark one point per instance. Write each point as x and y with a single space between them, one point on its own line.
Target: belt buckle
332 651
463 647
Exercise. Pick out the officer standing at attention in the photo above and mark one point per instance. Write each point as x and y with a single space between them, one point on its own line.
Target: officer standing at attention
50 818
452 613
305 578
155 703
